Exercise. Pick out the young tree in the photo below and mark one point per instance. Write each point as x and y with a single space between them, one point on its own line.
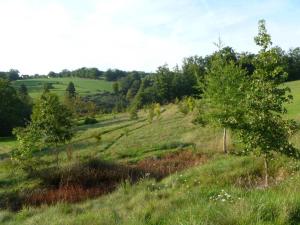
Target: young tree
263 129
115 87
223 94
70 91
52 120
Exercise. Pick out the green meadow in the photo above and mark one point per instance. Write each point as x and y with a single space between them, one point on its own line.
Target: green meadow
83 86
183 176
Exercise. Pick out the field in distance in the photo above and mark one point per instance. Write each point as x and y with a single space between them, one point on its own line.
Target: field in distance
83 86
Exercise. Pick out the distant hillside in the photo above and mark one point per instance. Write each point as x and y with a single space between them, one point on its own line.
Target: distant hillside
83 86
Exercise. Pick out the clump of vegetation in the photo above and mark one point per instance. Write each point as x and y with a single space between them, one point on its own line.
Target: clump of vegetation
51 125
153 110
186 105
90 120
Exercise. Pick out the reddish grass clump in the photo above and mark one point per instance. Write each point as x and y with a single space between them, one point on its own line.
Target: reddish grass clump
94 178
171 163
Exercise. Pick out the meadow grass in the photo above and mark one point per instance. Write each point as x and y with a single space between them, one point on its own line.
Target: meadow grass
83 86
223 190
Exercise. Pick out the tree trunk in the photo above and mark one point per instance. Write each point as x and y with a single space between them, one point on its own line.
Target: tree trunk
225 141
266 171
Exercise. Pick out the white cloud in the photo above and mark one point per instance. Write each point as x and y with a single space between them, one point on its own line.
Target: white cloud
39 36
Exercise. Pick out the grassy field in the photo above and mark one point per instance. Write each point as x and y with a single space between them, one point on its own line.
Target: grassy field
176 174
294 107
83 86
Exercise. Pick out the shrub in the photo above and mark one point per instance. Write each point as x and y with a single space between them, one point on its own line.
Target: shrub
89 120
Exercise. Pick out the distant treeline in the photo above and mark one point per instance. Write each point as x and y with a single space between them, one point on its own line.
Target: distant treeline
88 73
290 61
134 90
168 84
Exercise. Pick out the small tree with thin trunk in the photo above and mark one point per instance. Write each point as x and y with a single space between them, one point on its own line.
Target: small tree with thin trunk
263 129
223 95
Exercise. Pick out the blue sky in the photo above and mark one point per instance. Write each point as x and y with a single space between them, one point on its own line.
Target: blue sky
42 35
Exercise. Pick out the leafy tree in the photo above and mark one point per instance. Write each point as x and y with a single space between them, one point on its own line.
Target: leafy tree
245 60
11 109
151 114
263 129
293 64
28 143
26 100
52 120
70 91
13 75
224 94
115 87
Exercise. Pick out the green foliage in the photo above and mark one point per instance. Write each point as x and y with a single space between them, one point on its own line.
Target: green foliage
150 109
115 87
186 105
90 120
224 93
70 91
153 110
52 119
28 143
51 124
133 112
264 129
14 110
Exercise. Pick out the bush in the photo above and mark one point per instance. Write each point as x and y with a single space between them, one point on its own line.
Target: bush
89 120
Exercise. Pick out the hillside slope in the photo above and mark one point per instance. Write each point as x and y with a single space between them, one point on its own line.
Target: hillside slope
183 177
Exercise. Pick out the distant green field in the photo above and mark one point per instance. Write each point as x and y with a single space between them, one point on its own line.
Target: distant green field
294 107
83 86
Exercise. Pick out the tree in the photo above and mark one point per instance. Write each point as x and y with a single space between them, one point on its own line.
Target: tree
11 109
223 94
26 100
52 120
263 128
293 64
70 91
13 75
115 87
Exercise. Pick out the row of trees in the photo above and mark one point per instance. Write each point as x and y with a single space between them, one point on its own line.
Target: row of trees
290 59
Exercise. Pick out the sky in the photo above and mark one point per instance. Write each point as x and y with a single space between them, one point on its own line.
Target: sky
38 36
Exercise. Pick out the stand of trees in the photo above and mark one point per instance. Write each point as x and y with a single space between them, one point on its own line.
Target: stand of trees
252 104
15 107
